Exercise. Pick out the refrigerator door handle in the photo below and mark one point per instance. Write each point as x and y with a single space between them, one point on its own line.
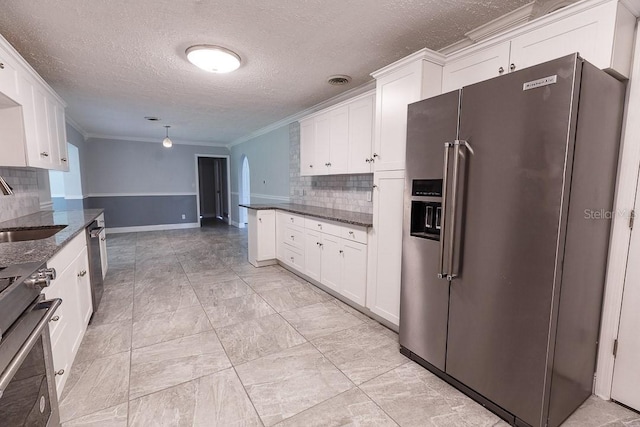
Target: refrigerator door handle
442 274
454 204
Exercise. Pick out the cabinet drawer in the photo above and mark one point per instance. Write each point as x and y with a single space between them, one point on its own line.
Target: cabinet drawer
68 253
287 218
294 258
294 236
354 233
323 226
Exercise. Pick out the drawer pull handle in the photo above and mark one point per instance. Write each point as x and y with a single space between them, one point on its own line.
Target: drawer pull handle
82 273
55 318
260 219
292 238
1 66
44 154
320 225
367 160
60 372
64 159
341 251
375 155
103 239
500 70
351 233
512 67
311 166
291 219
291 259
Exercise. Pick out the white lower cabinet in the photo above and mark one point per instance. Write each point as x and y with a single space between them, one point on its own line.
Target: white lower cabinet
331 261
313 254
68 326
354 271
262 237
385 251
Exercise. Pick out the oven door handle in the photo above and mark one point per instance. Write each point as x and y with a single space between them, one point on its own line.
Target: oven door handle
22 354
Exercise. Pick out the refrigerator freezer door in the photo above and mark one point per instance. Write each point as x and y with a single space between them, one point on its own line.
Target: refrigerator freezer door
424 298
518 128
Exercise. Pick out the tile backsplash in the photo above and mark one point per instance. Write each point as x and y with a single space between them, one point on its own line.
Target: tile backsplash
346 192
25 199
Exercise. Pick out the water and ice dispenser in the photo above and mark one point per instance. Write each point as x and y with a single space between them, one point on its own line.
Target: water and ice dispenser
426 208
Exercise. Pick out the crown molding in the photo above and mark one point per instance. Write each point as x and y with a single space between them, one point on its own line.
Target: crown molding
505 22
76 126
351 93
155 140
423 54
633 6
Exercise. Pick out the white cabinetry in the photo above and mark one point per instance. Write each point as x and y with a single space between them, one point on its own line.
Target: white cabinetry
602 34
31 116
338 140
385 251
8 76
262 237
409 80
69 324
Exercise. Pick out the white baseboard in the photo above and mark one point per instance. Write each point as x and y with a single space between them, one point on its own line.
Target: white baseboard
159 227
46 206
237 224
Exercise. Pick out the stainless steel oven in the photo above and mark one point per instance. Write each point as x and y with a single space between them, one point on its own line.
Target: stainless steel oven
27 384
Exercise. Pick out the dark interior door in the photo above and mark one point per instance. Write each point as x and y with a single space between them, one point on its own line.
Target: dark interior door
513 178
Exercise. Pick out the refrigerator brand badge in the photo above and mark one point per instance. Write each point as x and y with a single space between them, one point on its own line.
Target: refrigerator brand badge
540 82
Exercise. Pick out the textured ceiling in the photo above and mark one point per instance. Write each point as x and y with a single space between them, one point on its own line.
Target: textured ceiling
116 61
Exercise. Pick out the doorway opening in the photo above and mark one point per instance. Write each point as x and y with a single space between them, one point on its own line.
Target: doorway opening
66 187
213 196
245 191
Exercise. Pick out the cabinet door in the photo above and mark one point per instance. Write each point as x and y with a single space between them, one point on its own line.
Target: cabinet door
361 135
385 250
52 129
475 67
394 93
322 143
43 136
313 254
61 137
592 33
8 77
83 288
331 261
266 233
354 271
339 146
308 164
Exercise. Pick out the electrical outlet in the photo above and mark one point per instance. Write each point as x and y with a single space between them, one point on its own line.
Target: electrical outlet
368 196
184 216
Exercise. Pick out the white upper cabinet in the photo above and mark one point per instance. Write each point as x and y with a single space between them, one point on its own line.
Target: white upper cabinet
8 76
602 34
484 64
409 80
338 140
307 149
361 135
31 116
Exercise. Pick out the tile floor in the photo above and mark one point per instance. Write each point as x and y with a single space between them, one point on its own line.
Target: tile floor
190 334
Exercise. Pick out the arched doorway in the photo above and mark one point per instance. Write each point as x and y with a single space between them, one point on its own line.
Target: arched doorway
245 189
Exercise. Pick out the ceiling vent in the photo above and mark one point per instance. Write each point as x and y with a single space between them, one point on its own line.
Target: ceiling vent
339 80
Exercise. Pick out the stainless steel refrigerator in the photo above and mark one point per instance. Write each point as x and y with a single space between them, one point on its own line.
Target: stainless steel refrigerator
505 238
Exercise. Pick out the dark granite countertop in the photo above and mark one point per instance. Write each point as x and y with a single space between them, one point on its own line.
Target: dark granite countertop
348 217
43 249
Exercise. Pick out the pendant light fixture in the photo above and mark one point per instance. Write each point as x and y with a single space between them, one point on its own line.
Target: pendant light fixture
166 142
214 59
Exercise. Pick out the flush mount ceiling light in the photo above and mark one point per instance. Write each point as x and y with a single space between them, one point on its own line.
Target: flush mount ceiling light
214 59
166 142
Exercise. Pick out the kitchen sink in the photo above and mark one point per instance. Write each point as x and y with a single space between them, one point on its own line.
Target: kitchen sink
29 234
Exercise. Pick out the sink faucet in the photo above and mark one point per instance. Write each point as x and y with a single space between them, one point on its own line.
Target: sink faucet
5 189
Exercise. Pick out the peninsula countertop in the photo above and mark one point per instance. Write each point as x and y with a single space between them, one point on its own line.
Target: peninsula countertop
348 217
43 249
